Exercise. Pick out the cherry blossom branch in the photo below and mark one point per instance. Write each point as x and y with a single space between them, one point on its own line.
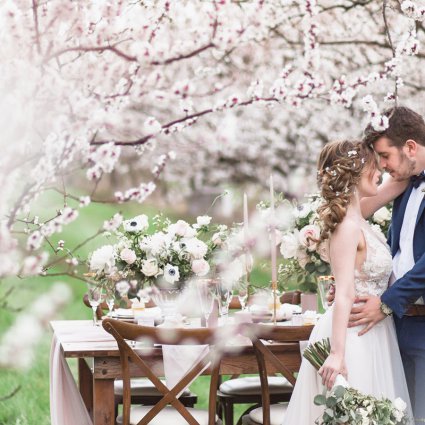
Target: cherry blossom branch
37 31
186 56
388 33
86 49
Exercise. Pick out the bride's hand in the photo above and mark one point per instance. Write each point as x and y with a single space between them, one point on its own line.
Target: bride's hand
333 366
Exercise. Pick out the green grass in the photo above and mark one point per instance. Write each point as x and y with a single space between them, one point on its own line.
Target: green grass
30 405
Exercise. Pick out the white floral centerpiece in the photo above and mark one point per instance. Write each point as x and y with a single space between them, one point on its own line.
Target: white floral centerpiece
305 257
166 258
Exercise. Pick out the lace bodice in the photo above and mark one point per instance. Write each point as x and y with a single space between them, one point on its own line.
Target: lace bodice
373 277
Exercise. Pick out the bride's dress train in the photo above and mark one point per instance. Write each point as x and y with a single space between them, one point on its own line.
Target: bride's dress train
373 360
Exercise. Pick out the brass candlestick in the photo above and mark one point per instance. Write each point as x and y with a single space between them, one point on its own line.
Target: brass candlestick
274 289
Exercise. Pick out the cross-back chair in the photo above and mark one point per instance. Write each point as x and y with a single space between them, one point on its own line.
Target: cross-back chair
142 390
168 409
262 337
247 390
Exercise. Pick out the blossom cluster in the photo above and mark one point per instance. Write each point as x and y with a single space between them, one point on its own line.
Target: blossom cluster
166 257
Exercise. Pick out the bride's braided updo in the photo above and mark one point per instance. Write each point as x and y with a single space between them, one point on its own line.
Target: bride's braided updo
339 169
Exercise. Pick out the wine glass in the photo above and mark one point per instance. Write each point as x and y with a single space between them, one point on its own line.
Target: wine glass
95 295
110 301
206 298
224 295
242 293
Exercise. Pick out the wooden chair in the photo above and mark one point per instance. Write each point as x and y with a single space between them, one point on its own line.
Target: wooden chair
291 336
247 390
142 390
168 409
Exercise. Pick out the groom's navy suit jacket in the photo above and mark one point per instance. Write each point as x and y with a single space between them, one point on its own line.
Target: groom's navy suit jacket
411 286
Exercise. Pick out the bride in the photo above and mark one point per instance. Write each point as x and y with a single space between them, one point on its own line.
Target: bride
361 263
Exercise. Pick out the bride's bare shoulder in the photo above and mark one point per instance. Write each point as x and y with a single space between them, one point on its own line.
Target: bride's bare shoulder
348 229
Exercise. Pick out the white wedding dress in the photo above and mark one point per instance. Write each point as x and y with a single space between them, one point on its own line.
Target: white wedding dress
373 360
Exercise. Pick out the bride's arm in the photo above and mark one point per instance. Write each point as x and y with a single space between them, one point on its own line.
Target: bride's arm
387 191
343 249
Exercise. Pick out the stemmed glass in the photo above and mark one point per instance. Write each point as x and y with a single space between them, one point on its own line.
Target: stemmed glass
206 298
110 301
242 296
95 295
224 295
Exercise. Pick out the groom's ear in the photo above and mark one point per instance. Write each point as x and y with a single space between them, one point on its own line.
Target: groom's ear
410 147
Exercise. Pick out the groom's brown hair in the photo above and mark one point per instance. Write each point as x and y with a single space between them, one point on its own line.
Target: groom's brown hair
403 124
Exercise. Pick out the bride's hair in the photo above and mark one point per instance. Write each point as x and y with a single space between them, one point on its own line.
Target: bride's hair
339 169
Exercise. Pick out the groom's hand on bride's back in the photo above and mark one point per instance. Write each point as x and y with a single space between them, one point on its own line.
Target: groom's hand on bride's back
368 313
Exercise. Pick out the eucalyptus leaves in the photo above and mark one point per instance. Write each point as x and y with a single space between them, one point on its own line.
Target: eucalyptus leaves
345 405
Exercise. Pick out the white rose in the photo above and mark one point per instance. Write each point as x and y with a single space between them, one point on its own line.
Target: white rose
156 243
150 267
200 267
203 220
399 404
196 248
171 273
382 215
136 224
309 235
128 255
181 228
122 288
289 245
216 239
103 259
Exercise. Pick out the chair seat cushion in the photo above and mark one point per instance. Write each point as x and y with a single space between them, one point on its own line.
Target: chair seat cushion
140 387
168 415
251 385
277 413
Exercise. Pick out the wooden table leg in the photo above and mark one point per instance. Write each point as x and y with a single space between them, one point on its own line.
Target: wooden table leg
85 383
103 401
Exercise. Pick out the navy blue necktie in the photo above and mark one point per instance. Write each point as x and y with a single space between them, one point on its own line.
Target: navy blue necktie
417 180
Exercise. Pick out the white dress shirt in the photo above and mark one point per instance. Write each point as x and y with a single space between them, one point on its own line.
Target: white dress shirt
404 260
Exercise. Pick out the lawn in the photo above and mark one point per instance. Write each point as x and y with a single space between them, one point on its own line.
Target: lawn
30 405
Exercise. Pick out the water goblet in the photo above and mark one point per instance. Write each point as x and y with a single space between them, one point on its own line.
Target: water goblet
206 298
224 295
95 295
242 297
110 302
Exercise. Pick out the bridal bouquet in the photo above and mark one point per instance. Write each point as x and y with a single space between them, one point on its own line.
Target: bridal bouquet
167 257
345 405
382 218
306 258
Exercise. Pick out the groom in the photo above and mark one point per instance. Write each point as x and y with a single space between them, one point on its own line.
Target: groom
401 150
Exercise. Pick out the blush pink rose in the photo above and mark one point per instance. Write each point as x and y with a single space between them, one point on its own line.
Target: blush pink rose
200 267
128 255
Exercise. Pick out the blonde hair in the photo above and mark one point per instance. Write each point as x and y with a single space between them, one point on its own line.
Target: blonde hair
339 169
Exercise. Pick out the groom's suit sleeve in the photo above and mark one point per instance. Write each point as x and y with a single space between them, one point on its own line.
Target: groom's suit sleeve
407 289
411 286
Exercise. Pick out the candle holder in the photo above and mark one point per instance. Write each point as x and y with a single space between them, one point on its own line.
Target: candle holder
275 299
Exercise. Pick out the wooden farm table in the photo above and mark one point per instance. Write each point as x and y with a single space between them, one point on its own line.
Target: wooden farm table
99 365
